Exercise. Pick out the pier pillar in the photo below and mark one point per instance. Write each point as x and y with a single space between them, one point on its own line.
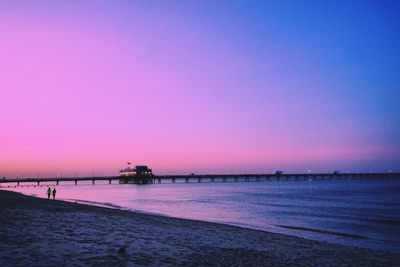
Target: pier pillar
109 181
212 179
93 181
173 180
76 182
57 182
235 179
38 182
200 180
257 178
246 179
186 179
17 183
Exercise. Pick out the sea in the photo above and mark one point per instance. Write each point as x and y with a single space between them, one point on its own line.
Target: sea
353 212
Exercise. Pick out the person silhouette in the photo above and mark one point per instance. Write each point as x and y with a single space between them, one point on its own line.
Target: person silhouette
54 193
48 192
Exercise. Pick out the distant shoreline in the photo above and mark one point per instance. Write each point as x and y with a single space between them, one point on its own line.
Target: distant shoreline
35 231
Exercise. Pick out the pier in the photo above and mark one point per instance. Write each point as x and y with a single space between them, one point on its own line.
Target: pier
203 178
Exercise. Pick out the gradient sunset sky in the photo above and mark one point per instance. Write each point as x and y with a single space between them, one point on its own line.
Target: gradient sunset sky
198 86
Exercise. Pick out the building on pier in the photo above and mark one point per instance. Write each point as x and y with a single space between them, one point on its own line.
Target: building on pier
140 174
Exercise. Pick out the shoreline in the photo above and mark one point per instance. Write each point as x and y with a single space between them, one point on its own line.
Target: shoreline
116 207
36 231
332 233
339 235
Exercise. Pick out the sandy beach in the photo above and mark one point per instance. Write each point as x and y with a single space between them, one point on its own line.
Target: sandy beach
40 232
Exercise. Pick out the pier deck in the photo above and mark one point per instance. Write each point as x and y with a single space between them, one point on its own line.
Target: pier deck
209 178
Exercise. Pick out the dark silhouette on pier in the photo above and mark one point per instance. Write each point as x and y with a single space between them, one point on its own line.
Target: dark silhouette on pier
141 174
149 178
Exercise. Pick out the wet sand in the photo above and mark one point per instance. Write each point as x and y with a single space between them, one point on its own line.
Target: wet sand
41 232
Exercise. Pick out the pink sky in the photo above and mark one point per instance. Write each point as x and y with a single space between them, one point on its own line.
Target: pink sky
88 86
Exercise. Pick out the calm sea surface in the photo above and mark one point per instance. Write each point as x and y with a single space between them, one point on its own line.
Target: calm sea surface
363 212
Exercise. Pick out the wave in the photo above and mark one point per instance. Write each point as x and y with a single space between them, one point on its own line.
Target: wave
321 231
96 203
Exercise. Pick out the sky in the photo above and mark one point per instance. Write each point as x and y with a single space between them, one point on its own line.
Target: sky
198 86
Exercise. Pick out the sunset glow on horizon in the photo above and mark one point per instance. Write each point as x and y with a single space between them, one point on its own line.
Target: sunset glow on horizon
198 86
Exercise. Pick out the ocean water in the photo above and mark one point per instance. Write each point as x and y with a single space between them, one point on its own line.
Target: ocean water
363 212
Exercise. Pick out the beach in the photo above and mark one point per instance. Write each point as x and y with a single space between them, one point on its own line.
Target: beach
41 232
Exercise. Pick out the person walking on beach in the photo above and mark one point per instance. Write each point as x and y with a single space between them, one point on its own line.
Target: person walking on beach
54 193
48 192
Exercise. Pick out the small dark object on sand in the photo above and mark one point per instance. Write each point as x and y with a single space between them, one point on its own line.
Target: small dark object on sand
121 251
